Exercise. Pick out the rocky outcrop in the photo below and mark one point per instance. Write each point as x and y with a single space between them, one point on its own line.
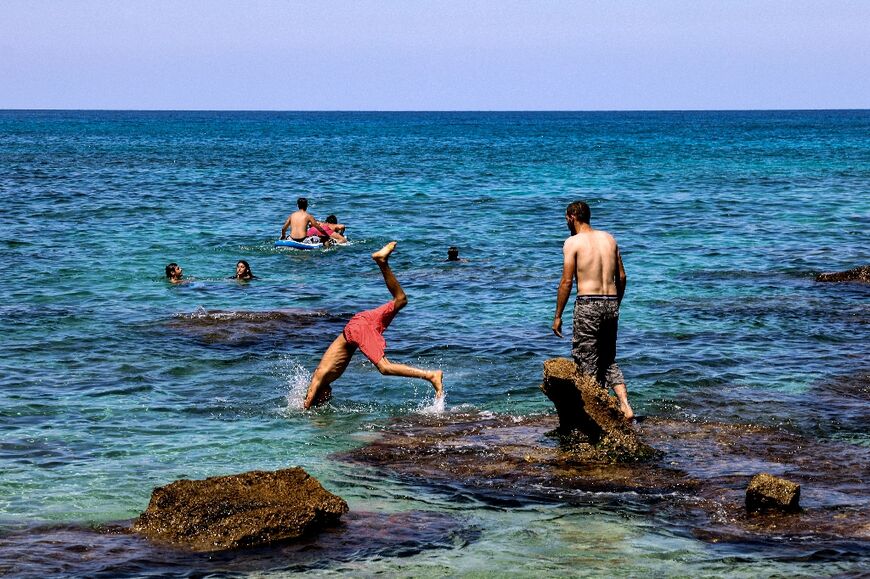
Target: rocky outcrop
694 487
861 274
584 406
767 492
242 510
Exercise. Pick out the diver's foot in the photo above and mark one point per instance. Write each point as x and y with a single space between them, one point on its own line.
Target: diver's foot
383 253
437 381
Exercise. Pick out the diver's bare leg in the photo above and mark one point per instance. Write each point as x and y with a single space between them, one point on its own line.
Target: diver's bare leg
622 396
331 367
381 257
436 377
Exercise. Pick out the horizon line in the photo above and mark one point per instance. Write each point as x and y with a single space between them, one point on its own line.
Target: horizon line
183 110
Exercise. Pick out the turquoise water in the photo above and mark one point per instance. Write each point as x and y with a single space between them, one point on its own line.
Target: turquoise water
113 381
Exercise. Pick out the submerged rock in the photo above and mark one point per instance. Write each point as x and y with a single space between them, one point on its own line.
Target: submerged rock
698 483
767 492
857 274
584 406
242 510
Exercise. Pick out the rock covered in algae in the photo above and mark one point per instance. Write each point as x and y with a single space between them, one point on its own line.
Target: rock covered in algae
857 274
583 405
241 510
767 492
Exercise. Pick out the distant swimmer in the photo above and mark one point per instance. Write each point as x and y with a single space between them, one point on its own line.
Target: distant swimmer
365 331
592 258
453 254
300 221
174 273
332 227
243 271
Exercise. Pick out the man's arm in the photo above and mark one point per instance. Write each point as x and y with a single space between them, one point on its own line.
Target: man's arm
284 229
621 278
569 272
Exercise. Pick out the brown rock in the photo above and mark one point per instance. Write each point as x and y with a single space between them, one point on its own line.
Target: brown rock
858 274
242 510
582 404
767 492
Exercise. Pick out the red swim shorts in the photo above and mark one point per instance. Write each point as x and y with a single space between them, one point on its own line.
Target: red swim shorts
365 330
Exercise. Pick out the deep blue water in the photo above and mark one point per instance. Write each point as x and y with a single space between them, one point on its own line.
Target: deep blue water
113 381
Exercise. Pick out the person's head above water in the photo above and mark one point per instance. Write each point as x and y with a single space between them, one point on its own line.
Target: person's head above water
580 213
302 203
173 271
332 219
453 254
580 210
243 270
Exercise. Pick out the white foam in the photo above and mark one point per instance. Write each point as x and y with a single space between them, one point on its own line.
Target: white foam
436 406
297 380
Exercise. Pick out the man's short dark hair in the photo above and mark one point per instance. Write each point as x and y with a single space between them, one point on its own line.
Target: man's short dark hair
453 254
170 269
302 203
332 219
580 210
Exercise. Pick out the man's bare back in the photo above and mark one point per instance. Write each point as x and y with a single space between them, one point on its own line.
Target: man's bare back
299 221
596 262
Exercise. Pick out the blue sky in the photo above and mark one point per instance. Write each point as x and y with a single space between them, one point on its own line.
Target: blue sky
448 55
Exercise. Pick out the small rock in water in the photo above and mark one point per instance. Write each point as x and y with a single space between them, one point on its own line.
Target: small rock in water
858 274
242 510
767 492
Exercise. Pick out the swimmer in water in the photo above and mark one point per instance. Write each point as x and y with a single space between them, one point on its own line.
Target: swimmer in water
174 273
243 271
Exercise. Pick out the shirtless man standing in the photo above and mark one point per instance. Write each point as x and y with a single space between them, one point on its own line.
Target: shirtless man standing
365 331
299 221
592 258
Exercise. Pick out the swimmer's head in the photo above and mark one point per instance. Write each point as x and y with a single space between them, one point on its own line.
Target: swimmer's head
453 254
173 271
243 270
302 203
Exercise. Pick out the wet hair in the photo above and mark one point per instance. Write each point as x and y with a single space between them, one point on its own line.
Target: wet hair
248 273
170 269
580 210
332 219
453 253
302 203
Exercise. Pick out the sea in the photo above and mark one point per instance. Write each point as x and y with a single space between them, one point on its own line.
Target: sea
114 382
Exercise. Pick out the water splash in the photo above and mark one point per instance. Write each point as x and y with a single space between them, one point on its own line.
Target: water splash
297 380
435 407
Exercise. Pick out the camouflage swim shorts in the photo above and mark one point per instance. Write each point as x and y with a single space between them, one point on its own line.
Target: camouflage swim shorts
594 346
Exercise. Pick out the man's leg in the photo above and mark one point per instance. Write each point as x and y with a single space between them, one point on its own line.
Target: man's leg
382 257
611 372
622 396
400 300
436 377
331 367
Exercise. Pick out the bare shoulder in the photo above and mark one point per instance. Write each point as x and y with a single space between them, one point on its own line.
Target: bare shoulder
605 237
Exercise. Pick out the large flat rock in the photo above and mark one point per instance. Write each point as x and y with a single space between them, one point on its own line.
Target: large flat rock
241 510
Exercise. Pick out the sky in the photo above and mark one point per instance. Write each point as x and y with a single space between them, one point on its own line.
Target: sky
434 55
